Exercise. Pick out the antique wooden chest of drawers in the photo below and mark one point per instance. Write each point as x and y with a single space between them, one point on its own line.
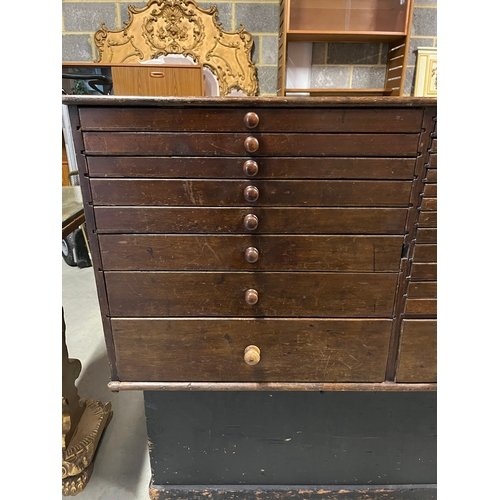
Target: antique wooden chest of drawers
282 243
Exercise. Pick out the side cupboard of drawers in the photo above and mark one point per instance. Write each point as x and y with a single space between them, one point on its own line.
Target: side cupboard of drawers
284 244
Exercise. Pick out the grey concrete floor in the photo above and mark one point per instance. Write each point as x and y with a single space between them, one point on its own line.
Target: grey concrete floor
121 464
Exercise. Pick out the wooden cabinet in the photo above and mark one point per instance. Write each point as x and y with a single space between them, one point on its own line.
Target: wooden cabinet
137 79
158 80
374 21
289 227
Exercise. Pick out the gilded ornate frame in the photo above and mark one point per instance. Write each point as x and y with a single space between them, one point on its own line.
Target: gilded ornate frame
182 27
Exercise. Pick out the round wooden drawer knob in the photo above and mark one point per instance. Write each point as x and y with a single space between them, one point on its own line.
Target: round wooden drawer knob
251 120
250 168
251 222
251 144
251 255
251 194
252 355
251 297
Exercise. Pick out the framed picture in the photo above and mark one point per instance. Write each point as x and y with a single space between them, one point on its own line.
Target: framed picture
426 76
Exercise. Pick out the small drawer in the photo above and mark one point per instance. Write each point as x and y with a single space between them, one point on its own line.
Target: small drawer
433 160
233 220
256 294
418 351
428 219
275 119
256 144
200 167
222 193
205 350
431 175
426 235
425 253
424 272
124 252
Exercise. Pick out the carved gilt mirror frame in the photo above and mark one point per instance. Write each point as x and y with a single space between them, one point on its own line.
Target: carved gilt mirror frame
182 27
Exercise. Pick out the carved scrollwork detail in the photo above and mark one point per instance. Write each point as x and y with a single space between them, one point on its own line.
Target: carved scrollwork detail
182 27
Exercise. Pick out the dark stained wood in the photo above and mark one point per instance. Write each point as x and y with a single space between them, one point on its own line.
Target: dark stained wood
167 172
425 235
434 145
428 219
271 220
301 350
269 120
418 356
428 125
431 175
232 193
385 386
268 168
429 204
433 160
250 103
427 307
425 253
227 252
294 492
424 272
92 239
231 144
135 294
324 286
422 290
430 190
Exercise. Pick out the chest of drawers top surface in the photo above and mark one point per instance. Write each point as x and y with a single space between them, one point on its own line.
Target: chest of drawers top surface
255 241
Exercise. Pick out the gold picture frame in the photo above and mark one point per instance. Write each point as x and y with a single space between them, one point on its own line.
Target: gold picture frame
426 74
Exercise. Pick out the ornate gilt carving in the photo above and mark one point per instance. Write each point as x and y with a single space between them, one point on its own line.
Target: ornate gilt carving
83 422
182 27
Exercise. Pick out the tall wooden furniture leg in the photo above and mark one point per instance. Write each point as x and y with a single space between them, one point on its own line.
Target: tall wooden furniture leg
83 422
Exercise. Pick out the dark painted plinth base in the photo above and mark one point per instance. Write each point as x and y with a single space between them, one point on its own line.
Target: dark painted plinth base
402 492
293 445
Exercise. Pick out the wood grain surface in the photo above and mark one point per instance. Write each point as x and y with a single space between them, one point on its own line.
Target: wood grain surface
232 144
291 350
227 193
136 294
270 220
270 120
200 167
227 252
418 351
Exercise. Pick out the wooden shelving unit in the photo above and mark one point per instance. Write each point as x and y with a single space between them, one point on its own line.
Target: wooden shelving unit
387 21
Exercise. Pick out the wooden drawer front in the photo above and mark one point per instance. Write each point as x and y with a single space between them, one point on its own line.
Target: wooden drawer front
425 253
270 220
281 253
425 235
422 299
428 219
267 168
212 144
232 193
136 294
423 272
418 351
293 350
431 175
269 120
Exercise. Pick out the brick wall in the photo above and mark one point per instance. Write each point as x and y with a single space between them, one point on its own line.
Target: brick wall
341 65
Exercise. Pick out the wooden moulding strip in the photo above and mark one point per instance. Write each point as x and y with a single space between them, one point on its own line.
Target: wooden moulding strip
267 386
